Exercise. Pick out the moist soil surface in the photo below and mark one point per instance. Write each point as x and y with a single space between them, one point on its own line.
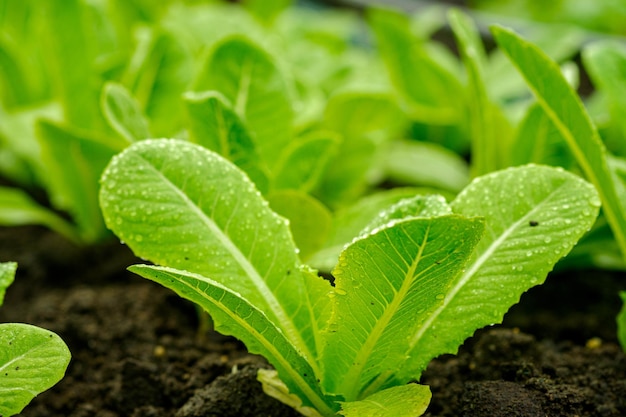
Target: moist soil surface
137 349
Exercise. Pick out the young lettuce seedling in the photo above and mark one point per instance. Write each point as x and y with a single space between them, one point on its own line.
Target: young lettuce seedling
31 359
414 284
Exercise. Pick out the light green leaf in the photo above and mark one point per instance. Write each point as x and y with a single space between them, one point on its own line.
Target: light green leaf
356 114
70 55
365 121
18 208
234 315
74 162
409 400
180 205
606 63
7 274
490 131
567 112
350 221
411 162
430 205
14 89
248 77
275 388
305 161
214 124
430 91
395 273
559 42
31 361
267 10
539 141
309 220
19 147
534 215
621 322
158 73
123 114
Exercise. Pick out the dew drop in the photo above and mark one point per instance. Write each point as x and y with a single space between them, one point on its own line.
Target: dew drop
340 291
547 239
595 201
440 296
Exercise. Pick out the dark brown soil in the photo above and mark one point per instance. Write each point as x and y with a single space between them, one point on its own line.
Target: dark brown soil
137 350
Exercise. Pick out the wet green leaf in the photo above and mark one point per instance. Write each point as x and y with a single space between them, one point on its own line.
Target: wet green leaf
534 215
248 77
403 401
403 270
214 124
31 361
18 208
234 315
123 114
7 274
567 112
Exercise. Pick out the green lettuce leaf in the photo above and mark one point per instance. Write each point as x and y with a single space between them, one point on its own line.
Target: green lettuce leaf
382 279
566 110
534 215
179 205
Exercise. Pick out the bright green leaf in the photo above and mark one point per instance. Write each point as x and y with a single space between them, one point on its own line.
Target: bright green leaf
365 121
534 215
606 63
248 77
31 361
309 220
7 274
123 114
158 73
567 112
304 161
430 91
415 163
539 141
409 400
350 221
234 315
490 131
267 10
18 208
214 124
179 205
70 55
399 271
74 162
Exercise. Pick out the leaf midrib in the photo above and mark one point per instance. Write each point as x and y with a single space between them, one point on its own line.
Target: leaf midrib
471 271
353 376
315 399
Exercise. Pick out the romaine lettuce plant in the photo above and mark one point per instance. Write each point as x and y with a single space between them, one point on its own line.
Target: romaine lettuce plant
418 279
31 359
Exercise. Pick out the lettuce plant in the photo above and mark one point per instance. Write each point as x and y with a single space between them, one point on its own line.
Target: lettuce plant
418 279
31 359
